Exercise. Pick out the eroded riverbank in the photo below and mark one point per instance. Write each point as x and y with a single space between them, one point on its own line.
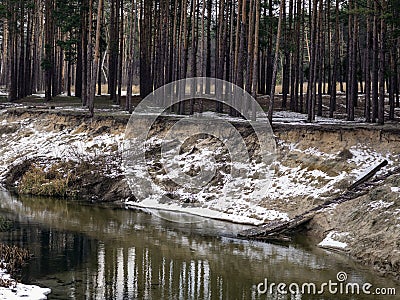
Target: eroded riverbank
314 163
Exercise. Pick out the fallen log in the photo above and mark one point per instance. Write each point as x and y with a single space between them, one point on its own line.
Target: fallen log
274 229
277 228
369 175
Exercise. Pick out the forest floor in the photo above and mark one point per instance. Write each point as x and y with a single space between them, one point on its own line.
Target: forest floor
56 149
282 114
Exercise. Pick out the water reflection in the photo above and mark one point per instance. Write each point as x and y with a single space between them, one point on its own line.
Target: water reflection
101 253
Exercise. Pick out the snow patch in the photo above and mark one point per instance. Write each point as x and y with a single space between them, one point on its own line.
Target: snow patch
330 240
238 214
66 94
395 189
366 160
380 204
21 291
297 118
39 95
124 93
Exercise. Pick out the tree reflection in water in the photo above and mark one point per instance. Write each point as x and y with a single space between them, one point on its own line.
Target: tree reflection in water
91 252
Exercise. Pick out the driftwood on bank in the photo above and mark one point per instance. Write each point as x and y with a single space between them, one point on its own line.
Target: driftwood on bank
279 230
369 175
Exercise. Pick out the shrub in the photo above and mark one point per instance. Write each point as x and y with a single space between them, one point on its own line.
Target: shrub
36 181
12 259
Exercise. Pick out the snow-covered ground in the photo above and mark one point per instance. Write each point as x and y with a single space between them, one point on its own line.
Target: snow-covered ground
330 241
380 204
312 176
30 141
19 291
299 118
298 177
230 197
395 189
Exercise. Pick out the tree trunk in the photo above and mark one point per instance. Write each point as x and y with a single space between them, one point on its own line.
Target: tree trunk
375 65
49 61
183 51
392 76
336 62
241 55
313 64
275 68
120 53
85 54
12 27
78 69
208 55
193 62
250 44
367 68
220 52
96 58
320 57
131 52
351 65
146 83
255 58
381 72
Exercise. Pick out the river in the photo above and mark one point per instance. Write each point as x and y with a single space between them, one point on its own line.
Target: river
85 251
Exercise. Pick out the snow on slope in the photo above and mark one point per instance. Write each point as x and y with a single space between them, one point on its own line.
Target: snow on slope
255 199
31 142
258 200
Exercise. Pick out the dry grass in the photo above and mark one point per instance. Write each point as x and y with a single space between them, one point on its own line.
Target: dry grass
36 181
12 259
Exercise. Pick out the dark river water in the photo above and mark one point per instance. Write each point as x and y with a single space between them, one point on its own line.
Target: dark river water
91 252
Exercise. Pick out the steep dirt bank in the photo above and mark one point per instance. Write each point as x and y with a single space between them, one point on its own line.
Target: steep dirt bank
64 152
369 226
